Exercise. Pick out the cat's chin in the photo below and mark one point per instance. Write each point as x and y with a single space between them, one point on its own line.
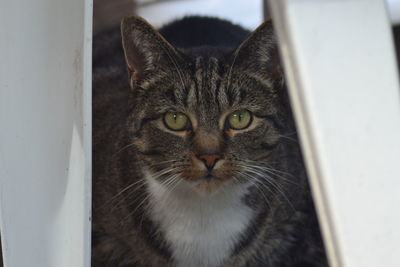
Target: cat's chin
205 185
208 186
211 186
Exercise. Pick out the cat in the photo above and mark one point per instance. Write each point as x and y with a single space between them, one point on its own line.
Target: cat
195 155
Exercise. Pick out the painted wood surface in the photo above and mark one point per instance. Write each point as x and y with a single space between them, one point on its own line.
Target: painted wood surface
341 69
45 132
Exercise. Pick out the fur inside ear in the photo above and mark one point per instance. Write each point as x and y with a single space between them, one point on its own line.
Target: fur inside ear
259 52
145 49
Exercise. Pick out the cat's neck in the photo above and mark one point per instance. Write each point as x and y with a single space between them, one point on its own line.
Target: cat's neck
200 230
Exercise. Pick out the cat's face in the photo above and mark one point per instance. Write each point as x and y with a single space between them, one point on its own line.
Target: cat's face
206 121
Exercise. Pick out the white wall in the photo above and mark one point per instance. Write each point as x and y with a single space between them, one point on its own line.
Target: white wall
45 132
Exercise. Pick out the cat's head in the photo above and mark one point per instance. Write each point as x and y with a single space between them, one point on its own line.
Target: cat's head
207 121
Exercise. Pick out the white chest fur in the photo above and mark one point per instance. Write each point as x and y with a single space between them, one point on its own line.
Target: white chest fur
201 230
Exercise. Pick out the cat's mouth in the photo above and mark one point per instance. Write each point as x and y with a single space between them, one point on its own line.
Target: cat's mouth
210 183
207 181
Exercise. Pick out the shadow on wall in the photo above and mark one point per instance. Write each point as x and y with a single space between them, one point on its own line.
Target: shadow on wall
396 37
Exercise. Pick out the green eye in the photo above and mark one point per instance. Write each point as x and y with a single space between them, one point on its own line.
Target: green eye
239 119
176 121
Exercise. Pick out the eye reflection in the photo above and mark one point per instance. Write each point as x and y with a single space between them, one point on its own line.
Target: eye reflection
176 121
239 119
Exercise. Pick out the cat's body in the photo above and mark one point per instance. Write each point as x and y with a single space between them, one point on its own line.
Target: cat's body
142 216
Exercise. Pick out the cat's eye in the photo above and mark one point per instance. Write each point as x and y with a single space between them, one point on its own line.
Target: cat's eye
176 121
239 119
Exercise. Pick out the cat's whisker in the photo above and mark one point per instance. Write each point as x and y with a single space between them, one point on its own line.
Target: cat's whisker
262 175
165 183
264 165
130 192
141 182
274 172
289 134
251 180
266 170
176 67
166 171
137 207
172 181
256 180
175 182
276 186
164 162
122 149
125 197
230 69
279 174
288 138
259 181
119 199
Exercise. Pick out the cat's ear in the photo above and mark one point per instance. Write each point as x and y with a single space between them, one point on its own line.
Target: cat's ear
259 53
145 49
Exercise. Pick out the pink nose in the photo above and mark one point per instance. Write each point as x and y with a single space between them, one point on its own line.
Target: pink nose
209 159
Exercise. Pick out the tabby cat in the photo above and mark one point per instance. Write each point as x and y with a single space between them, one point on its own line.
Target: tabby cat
196 162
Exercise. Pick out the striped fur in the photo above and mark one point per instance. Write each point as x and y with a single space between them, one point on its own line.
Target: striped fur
154 203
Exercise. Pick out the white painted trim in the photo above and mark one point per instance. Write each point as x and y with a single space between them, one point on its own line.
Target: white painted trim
340 66
45 136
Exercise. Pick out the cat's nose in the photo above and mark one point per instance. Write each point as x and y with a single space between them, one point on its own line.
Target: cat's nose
209 159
